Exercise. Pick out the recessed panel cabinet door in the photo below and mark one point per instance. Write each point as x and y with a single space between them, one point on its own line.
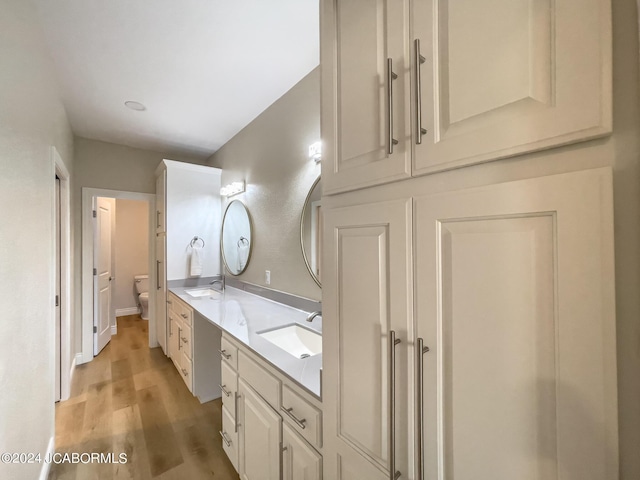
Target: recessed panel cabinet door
365 124
504 77
368 255
299 460
259 428
515 301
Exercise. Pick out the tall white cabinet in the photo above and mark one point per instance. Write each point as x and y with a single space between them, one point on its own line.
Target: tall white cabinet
412 87
468 333
188 205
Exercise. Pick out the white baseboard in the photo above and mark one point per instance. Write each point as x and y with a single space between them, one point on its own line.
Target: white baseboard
114 329
121 312
44 471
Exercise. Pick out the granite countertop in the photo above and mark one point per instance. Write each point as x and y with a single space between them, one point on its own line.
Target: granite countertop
243 315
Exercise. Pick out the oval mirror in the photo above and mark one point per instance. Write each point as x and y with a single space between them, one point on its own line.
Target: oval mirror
311 231
236 241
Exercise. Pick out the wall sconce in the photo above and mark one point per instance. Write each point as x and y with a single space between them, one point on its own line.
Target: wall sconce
232 189
315 152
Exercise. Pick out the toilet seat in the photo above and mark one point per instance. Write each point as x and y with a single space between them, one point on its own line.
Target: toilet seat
144 295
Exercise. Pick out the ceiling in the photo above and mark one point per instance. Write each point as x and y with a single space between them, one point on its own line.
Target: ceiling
203 68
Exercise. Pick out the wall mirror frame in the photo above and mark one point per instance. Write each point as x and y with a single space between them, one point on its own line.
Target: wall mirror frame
236 238
311 231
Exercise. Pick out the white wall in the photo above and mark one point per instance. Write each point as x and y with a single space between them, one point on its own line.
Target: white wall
271 154
131 249
32 119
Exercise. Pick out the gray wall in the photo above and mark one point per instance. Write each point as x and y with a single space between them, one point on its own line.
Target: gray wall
271 155
32 119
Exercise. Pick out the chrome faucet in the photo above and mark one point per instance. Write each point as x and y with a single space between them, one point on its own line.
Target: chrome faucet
313 315
221 281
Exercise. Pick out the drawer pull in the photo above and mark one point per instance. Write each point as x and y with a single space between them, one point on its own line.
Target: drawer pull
169 302
224 390
225 354
299 422
225 438
185 373
183 315
184 340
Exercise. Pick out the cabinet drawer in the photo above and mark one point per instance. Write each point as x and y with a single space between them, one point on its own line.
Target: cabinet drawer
186 371
229 437
229 353
302 416
186 314
262 381
229 383
172 303
185 340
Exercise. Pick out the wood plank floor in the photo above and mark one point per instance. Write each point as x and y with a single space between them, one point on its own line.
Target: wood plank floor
130 399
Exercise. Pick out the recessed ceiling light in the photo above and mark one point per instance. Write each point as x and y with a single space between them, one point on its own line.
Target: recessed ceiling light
135 106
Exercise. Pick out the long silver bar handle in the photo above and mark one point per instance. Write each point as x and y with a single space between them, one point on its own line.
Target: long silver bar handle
419 60
158 262
420 351
157 218
298 421
235 406
224 390
393 341
225 439
390 78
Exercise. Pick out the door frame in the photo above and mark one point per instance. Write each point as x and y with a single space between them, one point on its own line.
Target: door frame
67 361
88 194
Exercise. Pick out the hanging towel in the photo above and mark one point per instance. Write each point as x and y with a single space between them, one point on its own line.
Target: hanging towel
196 261
243 253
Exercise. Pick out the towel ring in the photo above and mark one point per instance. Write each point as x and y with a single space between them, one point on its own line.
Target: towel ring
243 242
195 240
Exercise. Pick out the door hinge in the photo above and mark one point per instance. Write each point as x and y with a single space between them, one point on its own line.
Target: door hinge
95 271
95 214
95 329
57 300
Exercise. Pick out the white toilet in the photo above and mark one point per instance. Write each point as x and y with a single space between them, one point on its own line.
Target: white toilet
142 287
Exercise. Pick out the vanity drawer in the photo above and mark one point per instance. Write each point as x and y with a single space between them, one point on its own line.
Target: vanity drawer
229 437
185 313
229 353
229 383
185 340
186 371
261 380
302 416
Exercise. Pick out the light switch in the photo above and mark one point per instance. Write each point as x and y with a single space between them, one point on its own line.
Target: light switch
267 277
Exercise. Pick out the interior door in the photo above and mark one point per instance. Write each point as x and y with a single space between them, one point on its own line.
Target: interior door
515 301
161 291
58 315
103 275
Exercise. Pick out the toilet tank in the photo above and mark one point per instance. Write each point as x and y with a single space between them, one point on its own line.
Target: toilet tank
142 283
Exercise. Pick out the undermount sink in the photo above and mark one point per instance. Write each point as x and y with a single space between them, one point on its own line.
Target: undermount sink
296 340
203 292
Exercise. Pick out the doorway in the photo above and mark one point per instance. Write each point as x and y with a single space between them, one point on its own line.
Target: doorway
98 267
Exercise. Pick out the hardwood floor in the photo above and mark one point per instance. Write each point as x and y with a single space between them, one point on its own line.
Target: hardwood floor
130 399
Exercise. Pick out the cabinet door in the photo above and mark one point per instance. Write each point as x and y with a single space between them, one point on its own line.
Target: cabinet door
367 296
161 200
501 78
173 337
299 460
161 291
260 436
358 36
515 300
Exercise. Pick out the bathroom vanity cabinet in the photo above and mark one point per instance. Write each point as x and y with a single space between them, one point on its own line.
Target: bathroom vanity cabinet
187 205
271 428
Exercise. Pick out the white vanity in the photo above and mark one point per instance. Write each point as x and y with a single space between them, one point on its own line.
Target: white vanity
272 413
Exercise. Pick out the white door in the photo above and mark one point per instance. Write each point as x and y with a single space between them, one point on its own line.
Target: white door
367 297
515 301
504 77
299 460
161 291
260 436
365 132
58 308
102 318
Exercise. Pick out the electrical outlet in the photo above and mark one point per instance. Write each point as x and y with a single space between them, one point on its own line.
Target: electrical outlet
267 277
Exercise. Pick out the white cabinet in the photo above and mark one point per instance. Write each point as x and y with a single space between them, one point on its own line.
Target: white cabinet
260 438
472 82
161 199
512 292
161 290
299 461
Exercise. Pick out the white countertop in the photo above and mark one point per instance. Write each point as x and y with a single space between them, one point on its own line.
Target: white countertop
243 315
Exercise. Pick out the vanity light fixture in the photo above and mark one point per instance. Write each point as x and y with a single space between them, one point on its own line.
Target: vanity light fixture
315 152
232 189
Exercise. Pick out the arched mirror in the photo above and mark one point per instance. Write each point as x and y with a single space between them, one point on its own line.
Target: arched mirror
311 231
236 238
